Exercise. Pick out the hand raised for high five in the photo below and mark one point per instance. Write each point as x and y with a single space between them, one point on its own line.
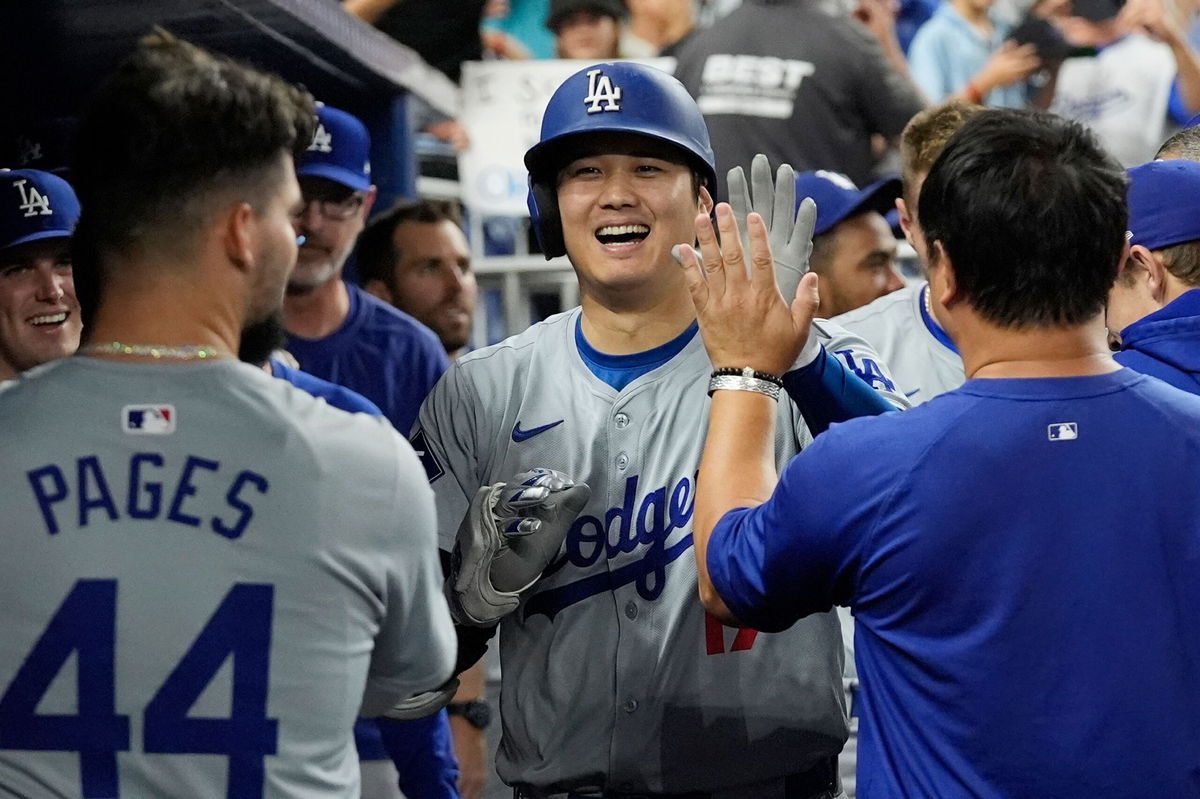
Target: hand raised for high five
743 317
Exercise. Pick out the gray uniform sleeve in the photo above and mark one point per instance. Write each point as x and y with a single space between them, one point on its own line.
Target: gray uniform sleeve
415 647
446 439
860 358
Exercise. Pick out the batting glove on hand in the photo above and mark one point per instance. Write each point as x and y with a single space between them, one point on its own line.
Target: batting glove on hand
789 230
510 534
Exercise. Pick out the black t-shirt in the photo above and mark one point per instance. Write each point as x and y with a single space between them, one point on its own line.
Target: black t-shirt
797 84
443 32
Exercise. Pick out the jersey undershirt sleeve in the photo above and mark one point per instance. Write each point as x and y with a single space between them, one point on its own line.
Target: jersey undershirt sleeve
798 553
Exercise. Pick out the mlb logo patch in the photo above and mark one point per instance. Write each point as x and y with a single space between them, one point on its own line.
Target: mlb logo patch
1062 431
152 420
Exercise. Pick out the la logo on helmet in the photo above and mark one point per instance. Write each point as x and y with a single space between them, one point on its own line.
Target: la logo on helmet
601 90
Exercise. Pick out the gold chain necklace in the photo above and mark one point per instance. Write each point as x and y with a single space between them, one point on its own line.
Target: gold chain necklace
185 352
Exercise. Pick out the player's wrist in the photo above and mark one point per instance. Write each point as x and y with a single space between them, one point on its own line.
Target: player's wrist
745 379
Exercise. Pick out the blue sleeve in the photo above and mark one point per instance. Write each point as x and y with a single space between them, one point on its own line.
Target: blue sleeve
423 752
826 391
798 552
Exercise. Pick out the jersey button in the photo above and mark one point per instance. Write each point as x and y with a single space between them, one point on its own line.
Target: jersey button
621 420
631 609
622 461
630 705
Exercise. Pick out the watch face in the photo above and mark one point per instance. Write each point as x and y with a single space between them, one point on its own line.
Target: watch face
477 713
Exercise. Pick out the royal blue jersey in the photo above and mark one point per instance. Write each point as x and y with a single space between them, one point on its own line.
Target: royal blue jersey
1023 562
379 352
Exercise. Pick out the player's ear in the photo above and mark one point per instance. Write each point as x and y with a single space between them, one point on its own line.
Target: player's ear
905 220
947 279
706 200
237 234
1146 267
377 288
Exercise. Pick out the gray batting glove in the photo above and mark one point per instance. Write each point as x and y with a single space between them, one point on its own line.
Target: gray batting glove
424 704
509 536
789 230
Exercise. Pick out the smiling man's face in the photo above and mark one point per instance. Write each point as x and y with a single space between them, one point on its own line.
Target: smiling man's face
39 315
624 208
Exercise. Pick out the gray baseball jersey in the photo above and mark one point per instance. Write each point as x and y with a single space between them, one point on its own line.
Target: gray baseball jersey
206 574
613 676
920 356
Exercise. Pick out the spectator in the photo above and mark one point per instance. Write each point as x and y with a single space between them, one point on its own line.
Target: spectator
656 27
963 52
1124 92
586 29
803 87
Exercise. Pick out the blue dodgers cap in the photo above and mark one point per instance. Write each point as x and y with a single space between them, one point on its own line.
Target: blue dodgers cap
340 150
838 199
1164 203
35 205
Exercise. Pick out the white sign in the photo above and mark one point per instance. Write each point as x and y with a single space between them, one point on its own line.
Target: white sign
502 105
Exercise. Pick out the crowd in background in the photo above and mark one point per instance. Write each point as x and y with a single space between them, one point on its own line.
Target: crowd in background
824 85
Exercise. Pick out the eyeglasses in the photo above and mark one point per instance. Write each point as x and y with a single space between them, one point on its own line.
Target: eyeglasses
339 210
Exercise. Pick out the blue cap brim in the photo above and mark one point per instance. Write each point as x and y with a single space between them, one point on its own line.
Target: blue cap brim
41 235
347 177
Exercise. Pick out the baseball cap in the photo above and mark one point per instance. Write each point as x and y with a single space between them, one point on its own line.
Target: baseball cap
838 199
561 9
35 205
1164 203
340 150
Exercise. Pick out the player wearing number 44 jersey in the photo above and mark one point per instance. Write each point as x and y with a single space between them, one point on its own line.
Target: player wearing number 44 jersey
207 572
610 667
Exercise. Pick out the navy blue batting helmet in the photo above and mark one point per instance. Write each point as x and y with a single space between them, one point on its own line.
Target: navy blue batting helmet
619 97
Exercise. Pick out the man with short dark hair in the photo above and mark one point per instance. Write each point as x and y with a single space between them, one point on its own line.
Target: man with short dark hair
415 257
39 314
854 250
1021 625
1183 144
233 569
1154 307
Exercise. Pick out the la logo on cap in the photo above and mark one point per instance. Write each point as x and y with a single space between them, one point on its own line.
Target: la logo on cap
33 202
838 179
322 141
601 90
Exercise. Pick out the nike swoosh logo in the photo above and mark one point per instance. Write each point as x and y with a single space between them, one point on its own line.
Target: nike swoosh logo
910 393
519 435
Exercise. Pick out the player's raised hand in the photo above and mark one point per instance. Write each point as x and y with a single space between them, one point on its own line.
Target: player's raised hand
789 232
743 317
510 534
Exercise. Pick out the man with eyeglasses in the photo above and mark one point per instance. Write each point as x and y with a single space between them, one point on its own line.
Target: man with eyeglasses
338 332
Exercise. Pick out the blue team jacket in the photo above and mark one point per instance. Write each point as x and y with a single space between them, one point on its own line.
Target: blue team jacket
1166 344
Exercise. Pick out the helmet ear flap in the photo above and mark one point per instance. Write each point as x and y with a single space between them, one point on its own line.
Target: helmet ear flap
547 224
